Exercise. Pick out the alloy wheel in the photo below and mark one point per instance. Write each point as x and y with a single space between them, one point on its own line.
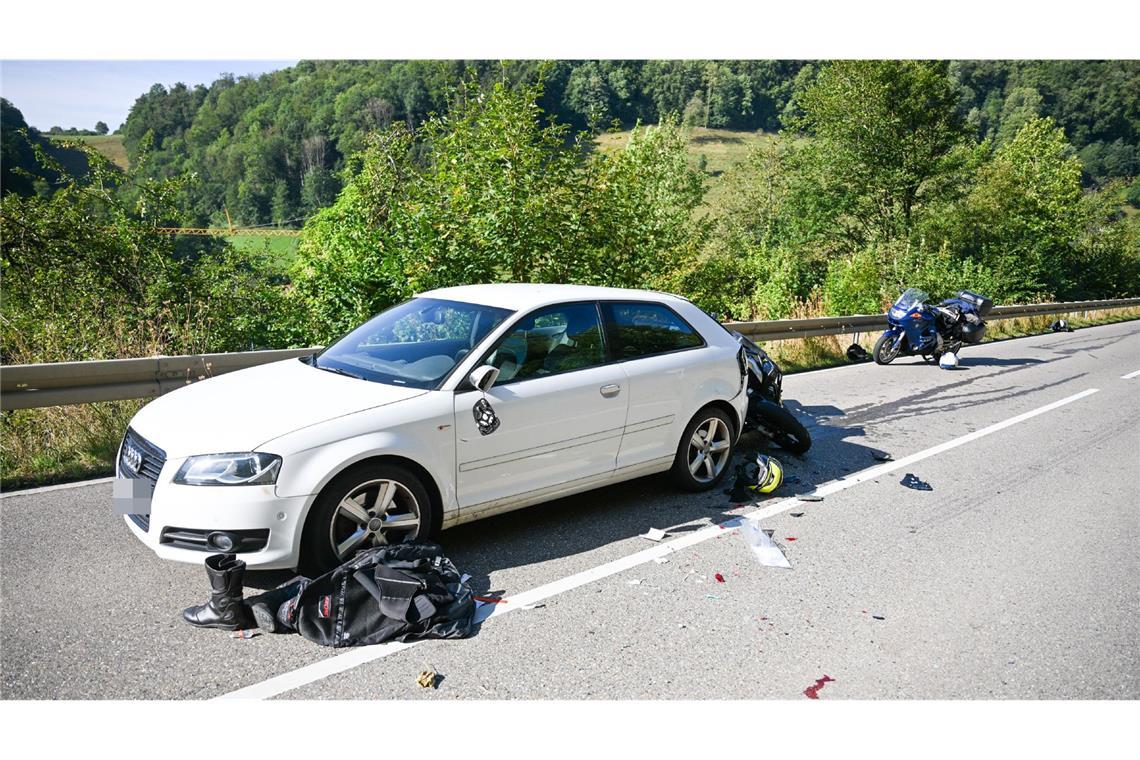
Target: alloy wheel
709 449
375 513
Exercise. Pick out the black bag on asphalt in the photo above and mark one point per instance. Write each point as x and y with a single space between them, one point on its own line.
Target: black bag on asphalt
401 592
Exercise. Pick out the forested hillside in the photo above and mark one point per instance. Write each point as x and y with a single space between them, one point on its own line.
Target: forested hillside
271 149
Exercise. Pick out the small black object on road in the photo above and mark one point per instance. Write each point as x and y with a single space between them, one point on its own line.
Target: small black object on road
910 480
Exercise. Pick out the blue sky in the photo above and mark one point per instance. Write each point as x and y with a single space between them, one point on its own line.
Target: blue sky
80 93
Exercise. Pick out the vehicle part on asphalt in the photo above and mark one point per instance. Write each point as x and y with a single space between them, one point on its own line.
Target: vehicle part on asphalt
796 514
761 543
654 534
881 456
769 474
719 578
857 353
948 360
766 411
910 480
808 497
428 679
812 692
224 609
879 617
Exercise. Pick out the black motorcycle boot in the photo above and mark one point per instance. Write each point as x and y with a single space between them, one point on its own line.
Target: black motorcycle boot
274 610
225 608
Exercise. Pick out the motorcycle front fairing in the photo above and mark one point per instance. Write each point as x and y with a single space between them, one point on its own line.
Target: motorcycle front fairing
910 317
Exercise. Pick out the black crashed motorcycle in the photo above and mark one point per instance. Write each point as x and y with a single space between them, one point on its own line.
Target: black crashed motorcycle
766 410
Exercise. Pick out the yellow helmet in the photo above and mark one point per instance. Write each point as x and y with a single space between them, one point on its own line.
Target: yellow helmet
769 474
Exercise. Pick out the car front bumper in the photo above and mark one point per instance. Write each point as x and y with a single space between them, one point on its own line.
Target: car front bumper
266 527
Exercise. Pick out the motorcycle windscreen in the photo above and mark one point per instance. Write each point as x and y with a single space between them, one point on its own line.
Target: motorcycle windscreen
911 298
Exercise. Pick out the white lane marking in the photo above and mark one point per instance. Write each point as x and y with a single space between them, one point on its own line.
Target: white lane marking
340 663
1130 375
58 487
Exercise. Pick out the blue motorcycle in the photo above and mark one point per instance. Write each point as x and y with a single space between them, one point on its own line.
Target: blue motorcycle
919 328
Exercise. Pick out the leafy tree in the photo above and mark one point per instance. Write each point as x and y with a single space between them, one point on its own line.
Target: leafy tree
101 128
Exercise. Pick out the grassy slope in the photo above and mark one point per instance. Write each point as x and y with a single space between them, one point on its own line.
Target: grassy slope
110 146
721 148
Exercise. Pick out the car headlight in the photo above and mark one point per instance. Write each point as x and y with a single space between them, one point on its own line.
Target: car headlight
245 469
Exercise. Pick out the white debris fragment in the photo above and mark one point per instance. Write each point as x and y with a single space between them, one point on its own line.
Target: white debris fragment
654 534
762 545
660 560
634 581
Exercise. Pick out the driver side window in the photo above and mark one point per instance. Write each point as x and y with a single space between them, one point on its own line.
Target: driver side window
552 340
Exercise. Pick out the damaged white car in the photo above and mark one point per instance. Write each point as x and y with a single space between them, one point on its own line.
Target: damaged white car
456 405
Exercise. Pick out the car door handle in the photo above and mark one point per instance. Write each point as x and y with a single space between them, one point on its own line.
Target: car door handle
611 390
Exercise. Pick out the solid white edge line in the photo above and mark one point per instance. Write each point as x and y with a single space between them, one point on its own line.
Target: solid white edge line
340 663
1130 375
57 487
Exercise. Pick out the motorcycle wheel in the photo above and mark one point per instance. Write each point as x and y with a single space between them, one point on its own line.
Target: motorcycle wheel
883 352
787 432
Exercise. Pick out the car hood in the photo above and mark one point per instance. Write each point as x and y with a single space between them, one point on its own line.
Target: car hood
240 410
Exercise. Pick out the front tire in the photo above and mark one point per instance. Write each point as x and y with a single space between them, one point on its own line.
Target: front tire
704 451
787 432
369 504
885 351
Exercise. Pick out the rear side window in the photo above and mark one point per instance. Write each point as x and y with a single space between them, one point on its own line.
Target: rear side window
645 329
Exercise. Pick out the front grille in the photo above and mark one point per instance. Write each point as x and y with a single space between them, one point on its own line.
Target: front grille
190 538
150 465
153 458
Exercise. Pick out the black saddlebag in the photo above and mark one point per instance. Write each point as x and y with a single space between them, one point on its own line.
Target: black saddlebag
971 329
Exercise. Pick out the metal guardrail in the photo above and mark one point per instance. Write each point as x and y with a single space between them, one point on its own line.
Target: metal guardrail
27 386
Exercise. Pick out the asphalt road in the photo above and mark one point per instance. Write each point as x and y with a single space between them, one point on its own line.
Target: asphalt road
1016 577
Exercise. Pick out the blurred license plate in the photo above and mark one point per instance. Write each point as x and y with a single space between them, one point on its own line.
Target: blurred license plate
132 496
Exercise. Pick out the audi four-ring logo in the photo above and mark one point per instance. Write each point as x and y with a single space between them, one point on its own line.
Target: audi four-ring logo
132 458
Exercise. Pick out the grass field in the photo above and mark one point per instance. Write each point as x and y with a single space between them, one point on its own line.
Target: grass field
110 146
721 148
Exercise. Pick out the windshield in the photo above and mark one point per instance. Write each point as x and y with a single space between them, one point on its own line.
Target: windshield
415 344
910 299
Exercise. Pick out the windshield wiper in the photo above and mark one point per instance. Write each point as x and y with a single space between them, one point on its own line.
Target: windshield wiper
338 371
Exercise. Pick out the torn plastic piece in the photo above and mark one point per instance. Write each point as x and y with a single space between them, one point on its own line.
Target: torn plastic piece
910 480
719 578
881 456
654 534
762 545
428 679
812 692
489 599
808 497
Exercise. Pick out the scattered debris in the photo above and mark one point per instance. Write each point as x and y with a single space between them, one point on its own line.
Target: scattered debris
428 679
634 581
719 578
762 545
808 497
654 534
660 560
797 514
879 617
489 599
789 538
711 596
812 692
532 606
910 480
680 625
881 456
247 633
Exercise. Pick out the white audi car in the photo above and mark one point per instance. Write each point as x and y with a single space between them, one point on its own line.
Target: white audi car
456 405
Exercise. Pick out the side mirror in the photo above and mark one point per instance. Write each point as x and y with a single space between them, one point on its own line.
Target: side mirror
483 378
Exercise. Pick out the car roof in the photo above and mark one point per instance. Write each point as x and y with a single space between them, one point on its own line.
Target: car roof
519 296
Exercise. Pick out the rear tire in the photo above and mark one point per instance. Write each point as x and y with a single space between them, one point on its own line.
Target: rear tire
705 450
884 352
787 432
367 505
